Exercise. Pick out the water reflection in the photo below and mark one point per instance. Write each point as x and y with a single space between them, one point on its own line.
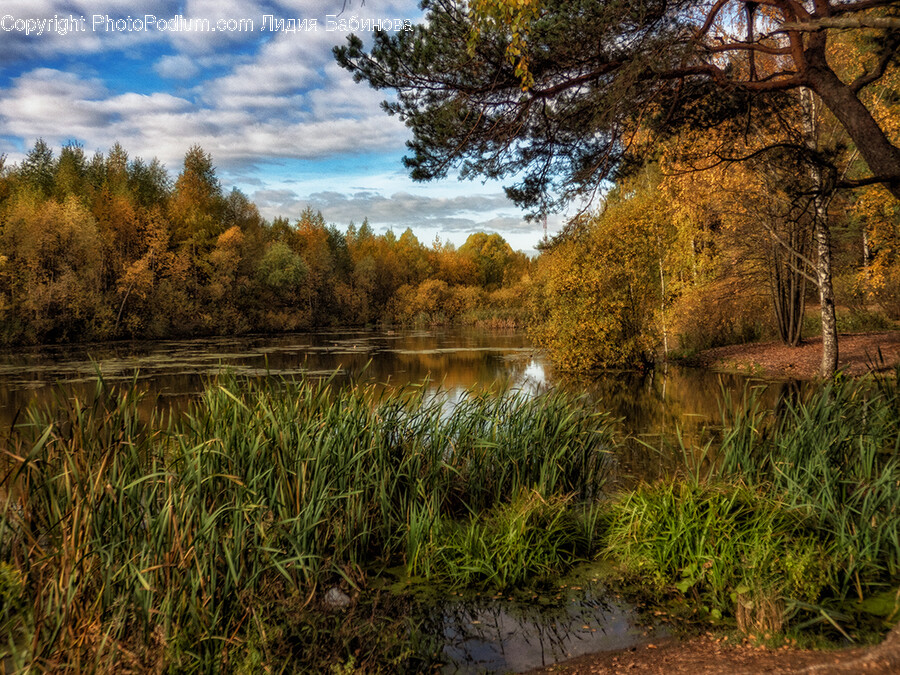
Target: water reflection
176 370
508 635
662 409
655 407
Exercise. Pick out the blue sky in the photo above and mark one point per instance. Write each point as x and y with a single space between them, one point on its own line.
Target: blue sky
283 122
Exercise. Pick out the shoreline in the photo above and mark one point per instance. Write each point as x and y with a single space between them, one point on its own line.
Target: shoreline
858 354
713 654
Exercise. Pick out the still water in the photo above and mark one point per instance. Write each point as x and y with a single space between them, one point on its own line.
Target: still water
176 370
653 406
479 635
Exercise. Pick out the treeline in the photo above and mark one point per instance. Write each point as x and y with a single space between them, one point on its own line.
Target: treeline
110 247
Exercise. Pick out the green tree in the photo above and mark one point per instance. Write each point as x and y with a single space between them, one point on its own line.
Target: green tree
491 255
71 173
38 169
116 174
283 273
149 183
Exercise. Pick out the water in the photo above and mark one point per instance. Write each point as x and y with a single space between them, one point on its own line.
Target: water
522 629
651 404
176 370
497 634
478 633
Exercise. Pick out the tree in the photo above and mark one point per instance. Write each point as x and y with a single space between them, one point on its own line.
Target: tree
603 286
754 221
491 255
197 206
54 249
148 182
283 273
552 90
71 170
38 169
555 91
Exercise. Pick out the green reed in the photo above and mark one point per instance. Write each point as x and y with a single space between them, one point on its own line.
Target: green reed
127 540
795 513
713 542
834 455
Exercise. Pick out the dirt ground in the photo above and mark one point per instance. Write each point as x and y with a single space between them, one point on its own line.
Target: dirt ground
715 656
857 354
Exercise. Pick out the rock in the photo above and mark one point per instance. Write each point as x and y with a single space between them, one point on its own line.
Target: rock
336 599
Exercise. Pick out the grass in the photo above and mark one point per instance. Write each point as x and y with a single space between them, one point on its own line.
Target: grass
126 540
529 538
794 523
848 321
834 456
208 541
723 545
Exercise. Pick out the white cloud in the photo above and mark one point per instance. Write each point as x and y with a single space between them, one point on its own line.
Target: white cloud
460 213
177 67
53 104
143 104
282 67
276 97
165 125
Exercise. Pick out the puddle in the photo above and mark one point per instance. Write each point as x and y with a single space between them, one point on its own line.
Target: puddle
509 636
523 630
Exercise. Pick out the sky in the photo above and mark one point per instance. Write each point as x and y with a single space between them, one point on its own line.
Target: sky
283 122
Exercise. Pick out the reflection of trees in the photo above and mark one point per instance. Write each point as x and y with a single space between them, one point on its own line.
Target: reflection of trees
453 359
654 406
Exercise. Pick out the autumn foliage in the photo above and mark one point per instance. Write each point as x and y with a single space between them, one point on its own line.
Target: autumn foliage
110 247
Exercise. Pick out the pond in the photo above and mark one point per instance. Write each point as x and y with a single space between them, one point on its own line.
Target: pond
478 634
654 407
175 370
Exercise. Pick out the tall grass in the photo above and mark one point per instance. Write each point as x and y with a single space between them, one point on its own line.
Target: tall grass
124 541
834 455
796 513
716 542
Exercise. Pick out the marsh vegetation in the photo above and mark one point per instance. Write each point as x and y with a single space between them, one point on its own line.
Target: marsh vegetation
218 538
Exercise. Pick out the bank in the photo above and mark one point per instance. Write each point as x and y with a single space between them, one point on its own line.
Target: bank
859 353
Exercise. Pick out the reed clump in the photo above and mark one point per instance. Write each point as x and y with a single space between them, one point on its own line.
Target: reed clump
834 456
529 538
169 540
714 542
797 514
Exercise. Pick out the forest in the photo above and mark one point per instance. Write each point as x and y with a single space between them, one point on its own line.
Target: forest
109 247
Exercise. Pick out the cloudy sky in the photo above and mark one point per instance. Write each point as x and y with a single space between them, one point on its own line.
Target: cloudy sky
283 122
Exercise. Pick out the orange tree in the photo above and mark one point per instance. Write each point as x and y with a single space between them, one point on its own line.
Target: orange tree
604 286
